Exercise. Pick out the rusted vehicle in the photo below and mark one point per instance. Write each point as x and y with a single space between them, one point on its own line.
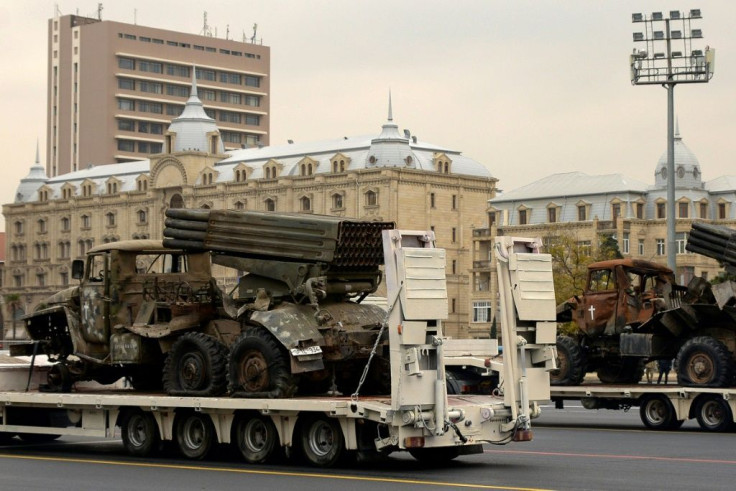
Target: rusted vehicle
632 311
151 310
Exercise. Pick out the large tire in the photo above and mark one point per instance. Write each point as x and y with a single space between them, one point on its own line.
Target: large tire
259 367
140 433
570 363
704 362
322 441
256 438
713 413
196 366
658 413
195 435
626 370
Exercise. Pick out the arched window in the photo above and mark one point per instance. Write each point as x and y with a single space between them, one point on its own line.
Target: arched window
270 205
176 201
371 198
305 203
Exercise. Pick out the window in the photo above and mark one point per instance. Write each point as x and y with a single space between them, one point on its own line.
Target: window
252 81
203 74
305 204
683 209
126 63
454 235
207 95
337 203
126 145
551 215
150 66
126 105
177 90
722 211
454 266
639 210
660 247
41 224
252 100
64 278
454 201
230 117
151 87
371 198
522 217
18 226
482 311
270 205
126 84
231 78
230 97
177 70
431 200
452 306
126 125
173 110
661 210
142 216
110 219
151 107
65 224
85 221
602 280
585 247
625 244
703 210
641 247
615 211
240 205
681 242
252 119
112 187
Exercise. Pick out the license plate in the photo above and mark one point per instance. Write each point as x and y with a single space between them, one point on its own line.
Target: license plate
311 350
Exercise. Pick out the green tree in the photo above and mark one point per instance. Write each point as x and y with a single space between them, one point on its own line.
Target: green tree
13 303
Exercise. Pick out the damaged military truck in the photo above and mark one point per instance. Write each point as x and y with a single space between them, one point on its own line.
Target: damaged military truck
632 311
151 310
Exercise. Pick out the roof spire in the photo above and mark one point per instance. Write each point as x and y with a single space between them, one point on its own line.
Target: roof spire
38 154
390 110
677 127
194 82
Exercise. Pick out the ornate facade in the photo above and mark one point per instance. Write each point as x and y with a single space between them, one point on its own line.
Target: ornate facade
391 176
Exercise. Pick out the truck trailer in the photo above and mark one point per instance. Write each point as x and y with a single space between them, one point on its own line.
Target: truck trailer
416 416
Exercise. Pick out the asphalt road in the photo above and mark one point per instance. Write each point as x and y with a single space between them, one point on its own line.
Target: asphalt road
572 449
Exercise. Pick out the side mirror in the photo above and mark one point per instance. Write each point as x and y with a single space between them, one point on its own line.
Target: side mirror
77 269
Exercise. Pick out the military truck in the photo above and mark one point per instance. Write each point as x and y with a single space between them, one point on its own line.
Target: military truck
632 311
151 310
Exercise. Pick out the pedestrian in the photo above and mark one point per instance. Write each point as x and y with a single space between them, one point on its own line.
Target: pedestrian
664 367
649 371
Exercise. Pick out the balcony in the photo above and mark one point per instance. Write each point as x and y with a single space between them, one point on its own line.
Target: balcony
482 264
482 232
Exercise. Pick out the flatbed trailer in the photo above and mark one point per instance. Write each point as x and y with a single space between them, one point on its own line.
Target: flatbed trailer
661 407
418 416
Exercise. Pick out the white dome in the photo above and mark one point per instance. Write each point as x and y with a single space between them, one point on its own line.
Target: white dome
687 167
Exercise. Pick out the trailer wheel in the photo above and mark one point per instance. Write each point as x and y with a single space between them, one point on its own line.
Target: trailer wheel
435 456
713 413
322 441
256 438
570 363
140 433
196 366
658 413
259 367
195 435
704 361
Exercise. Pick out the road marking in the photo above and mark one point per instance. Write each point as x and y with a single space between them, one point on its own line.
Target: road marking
614 456
271 473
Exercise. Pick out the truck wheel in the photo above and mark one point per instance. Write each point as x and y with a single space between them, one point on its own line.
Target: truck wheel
195 435
658 413
260 367
435 456
322 442
623 371
140 433
256 438
713 413
704 361
570 363
196 366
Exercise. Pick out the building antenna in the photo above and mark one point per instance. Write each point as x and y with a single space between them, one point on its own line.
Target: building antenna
57 10
227 32
206 31
255 29
135 17
99 11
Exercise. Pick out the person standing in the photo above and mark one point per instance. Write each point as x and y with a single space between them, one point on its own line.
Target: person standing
664 367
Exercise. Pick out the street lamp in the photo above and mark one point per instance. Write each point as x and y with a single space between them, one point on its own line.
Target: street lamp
669 59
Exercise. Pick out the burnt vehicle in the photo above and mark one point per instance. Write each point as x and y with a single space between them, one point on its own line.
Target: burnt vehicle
151 310
632 311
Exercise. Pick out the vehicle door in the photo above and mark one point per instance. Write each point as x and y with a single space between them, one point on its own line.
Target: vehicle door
597 315
95 300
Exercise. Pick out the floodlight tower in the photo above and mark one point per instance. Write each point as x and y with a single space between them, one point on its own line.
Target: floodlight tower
669 59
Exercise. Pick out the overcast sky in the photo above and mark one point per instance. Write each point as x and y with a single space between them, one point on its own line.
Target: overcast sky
528 88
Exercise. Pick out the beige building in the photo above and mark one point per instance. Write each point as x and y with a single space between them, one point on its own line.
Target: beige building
590 207
113 89
389 176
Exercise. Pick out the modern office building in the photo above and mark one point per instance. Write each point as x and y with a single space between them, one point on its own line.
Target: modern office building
113 89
